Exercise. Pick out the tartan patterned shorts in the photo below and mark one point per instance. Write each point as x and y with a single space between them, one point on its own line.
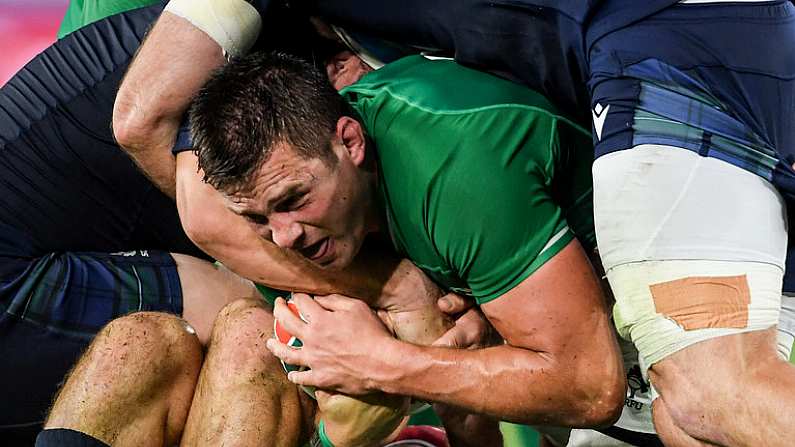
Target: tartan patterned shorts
77 293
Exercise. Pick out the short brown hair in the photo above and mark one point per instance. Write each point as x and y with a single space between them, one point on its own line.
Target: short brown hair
255 102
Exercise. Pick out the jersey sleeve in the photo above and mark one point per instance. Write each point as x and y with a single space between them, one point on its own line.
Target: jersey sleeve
81 13
505 37
425 23
184 141
468 168
497 223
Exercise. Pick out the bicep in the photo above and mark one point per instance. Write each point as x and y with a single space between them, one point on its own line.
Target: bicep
558 305
511 228
559 313
173 62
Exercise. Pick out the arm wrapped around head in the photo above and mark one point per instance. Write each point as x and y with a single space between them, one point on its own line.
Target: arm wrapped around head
233 24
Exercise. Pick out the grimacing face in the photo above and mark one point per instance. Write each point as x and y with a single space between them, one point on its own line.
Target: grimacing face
320 211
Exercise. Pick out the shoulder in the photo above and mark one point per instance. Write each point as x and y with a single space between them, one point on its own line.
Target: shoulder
446 86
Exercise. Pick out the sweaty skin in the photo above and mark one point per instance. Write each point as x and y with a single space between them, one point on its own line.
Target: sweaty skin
350 351
146 118
540 371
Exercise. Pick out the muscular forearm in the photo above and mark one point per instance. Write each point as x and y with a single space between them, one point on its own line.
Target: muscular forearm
375 277
378 277
172 64
506 382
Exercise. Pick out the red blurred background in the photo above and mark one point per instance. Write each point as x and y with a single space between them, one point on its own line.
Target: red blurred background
26 28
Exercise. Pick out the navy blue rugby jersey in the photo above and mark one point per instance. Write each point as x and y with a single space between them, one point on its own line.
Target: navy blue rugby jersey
540 43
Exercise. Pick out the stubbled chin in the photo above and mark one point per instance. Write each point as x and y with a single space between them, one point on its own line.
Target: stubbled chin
335 265
343 257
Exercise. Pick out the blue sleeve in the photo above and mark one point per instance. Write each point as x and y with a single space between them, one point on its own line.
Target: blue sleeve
260 5
510 38
184 141
424 23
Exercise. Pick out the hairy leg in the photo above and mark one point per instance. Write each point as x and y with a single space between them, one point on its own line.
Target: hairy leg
243 396
133 387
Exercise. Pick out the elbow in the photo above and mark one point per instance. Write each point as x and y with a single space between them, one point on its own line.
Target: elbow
603 400
130 126
196 232
134 123
126 123
198 226
604 408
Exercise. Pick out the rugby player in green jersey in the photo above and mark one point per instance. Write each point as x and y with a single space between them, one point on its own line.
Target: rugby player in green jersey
80 13
509 234
475 179
158 326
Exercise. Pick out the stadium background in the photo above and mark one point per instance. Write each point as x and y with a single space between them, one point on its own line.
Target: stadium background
29 26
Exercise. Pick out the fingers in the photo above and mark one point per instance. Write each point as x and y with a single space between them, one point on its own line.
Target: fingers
453 304
336 302
302 377
323 395
306 305
291 356
447 340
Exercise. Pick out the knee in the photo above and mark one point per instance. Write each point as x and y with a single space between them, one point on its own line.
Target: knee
238 338
241 318
150 341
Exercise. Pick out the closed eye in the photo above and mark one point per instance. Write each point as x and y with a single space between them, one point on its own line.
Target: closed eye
292 203
257 219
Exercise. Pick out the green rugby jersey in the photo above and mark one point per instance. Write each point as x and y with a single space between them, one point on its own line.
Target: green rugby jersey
482 181
82 12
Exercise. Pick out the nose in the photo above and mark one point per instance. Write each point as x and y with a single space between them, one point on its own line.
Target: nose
286 232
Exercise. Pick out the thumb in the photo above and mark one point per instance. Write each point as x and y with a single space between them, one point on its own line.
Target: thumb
452 304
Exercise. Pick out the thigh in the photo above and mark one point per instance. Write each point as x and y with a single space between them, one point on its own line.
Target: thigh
662 202
693 247
207 288
786 327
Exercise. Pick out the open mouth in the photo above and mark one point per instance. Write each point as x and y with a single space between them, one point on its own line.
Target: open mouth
317 250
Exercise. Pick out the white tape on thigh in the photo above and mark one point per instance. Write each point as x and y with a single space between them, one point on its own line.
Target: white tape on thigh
233 24
665 306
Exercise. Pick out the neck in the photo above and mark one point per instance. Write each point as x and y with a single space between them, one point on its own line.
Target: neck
376 217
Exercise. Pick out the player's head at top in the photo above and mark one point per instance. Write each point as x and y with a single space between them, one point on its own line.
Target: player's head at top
288 153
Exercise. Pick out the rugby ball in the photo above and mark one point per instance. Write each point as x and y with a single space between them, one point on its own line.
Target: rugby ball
292 341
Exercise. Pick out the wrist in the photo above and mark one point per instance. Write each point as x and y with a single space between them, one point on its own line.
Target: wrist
387 374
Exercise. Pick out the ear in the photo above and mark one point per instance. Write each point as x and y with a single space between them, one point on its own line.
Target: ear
344 69
351 134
